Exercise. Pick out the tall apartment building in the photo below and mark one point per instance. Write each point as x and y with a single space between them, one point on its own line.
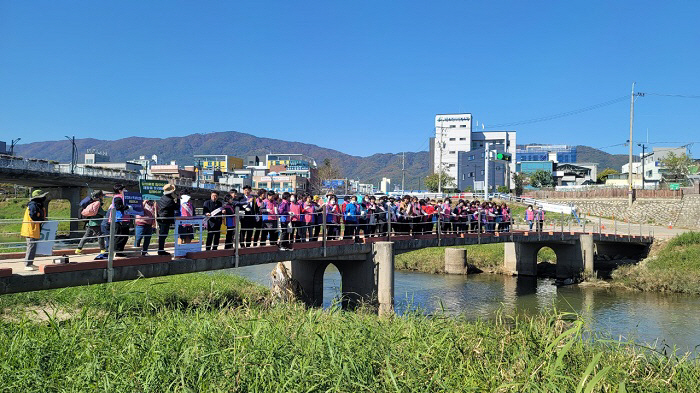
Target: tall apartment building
454 134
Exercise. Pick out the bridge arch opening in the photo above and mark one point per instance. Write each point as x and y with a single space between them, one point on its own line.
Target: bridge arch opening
546 262
332 286
326 289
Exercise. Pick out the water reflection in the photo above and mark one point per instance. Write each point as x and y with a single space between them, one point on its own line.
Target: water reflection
646 317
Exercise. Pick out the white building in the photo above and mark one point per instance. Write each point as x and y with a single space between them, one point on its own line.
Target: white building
385 185
454 134
651 164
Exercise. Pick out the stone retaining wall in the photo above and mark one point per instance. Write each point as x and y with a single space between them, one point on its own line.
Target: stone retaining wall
684 213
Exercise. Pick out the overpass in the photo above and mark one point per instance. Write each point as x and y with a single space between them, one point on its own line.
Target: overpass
367 268
61 183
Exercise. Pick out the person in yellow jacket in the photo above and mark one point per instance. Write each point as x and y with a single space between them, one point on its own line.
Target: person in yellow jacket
31 226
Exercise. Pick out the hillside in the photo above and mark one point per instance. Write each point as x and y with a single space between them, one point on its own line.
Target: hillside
367 169
604 160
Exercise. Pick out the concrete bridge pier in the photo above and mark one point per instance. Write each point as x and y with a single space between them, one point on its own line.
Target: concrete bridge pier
73 195
364 278
574 257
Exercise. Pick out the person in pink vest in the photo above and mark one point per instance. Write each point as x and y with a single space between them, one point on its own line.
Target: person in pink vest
446 215
504 226
296 216
539 218
186 231
530 216
309 208
143 227
269 211
332 214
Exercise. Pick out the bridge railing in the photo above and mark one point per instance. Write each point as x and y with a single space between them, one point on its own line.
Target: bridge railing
235 228
26 164
44 166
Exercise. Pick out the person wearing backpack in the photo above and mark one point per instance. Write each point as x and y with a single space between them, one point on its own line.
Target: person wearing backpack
92 210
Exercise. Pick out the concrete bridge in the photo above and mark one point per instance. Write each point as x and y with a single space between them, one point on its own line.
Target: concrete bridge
367 269
62 184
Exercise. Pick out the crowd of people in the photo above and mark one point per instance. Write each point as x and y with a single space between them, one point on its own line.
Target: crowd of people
272 218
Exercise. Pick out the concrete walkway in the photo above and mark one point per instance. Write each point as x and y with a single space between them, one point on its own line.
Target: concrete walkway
17 264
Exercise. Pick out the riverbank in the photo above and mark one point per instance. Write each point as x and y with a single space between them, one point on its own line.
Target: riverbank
672 266
204 332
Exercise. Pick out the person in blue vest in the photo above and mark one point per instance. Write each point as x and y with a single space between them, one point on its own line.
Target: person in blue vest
351 217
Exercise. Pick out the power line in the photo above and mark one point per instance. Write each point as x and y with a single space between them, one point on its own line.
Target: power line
672 95
563 114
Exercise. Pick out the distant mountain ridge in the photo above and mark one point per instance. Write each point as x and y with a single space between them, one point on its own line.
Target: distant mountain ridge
370 169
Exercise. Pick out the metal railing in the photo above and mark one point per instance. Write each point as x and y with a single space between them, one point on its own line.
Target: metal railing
318 225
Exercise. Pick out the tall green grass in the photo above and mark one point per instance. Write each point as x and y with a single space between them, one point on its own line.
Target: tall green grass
199 332
675 267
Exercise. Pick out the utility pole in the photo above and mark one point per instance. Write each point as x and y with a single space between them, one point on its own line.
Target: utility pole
629 174
74 154
486 171
442 133
12 146
403 172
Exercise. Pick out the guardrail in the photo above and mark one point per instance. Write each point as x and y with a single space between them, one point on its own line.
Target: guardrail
44 166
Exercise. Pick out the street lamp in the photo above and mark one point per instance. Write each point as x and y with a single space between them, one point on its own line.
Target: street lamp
12 146
74 154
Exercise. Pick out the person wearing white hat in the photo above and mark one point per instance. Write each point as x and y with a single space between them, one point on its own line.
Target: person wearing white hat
167 206
34 216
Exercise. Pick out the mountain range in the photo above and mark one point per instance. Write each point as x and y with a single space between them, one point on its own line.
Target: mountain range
369 169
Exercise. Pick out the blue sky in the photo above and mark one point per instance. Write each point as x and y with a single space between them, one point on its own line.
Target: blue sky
361 77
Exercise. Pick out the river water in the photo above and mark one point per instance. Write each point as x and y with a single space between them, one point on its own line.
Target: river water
657 319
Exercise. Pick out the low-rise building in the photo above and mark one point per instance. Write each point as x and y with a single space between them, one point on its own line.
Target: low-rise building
281 183
238 178
652 165
218 162
293 164
173 171
554 153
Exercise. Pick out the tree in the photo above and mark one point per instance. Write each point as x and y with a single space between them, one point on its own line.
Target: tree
541 178
327 171
519 180
676 167
603 176
432 181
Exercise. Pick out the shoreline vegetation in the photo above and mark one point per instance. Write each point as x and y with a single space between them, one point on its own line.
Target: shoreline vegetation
219 332
672 266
